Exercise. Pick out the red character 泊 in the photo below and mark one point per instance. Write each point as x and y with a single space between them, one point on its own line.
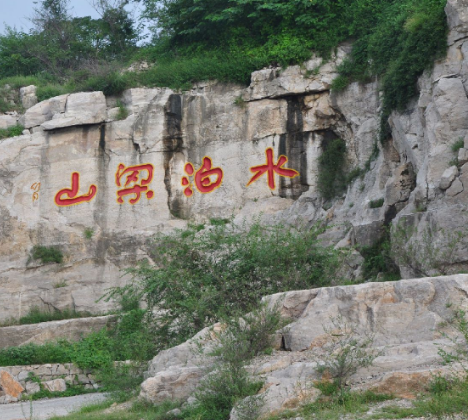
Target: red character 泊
69 196
271 169
133 183
203 177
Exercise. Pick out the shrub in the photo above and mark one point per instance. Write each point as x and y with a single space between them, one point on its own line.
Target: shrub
49 91
123 111
345 352
375 204
229 383
201 276
459 144
88 233
36 315
378 260
14 131
47 254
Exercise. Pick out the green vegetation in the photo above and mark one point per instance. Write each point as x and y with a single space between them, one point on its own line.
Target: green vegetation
36 315
88 233
459 144
375 204
127 340
378 260
71 390
123 111
47 254
203 276
229 381
331 176
344 353
195 40
14 131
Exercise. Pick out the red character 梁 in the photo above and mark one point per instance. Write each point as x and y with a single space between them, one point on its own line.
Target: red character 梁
133 183
203 182
69 196
271 169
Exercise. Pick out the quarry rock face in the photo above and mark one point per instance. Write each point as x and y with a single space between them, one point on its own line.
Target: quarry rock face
405 320
98 188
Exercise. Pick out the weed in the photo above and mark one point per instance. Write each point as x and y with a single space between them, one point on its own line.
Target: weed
459 144
88 233
219 222
378 260
47 254
375 204
229 383
60 284
36 315
16 130
240 102
123 111
345 352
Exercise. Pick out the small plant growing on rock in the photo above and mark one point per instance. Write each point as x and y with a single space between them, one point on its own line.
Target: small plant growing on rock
240 102
123 111
47 254
375 204
229 384
459 144
344 353
459 352
88 233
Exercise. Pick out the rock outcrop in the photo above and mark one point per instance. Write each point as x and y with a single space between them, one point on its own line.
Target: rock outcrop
403 318
68 173
69 329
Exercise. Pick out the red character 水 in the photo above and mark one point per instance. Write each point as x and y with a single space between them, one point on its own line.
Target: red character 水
271 169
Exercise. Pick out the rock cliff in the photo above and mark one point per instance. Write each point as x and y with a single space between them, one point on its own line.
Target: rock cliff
70 180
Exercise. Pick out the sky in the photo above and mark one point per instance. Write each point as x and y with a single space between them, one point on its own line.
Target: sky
16 12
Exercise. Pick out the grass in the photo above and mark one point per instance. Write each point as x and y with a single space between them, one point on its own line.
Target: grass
437 403
375 204
47 254
36 315
88 233
14 131
459 144
137 411
123 111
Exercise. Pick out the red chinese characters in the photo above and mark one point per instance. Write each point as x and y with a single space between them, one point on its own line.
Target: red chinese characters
134 183
207 178
271 169
69 196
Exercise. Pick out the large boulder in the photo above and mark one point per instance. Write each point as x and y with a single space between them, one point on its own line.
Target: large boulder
402 318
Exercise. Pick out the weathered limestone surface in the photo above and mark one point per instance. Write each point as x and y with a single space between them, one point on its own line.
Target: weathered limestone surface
70 329
292 111
403 318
